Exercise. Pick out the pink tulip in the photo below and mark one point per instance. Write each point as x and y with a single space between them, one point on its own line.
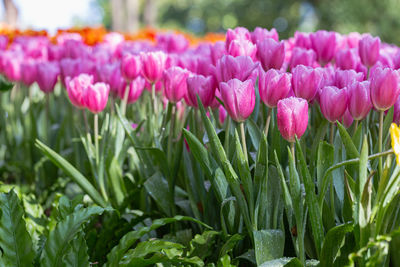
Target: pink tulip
111 74
201 86
302 39
347 59
12 66
135 88
274 86
359 99
396 111
229 67
292 117
259 34
239 98
154 64
47 76
306 81
96 97
172 42
301 56
385 88
131 66
69 68
368 50
242 47
76 88
221 114
333 102
344 78
175 83
217 51
236 34
271 53
324 44
347 119
28 72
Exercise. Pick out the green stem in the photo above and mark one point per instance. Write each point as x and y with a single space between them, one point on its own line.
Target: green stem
96 137
125 100
171 133
292 150
332 133
241 124
154 99
266 129
355 127
380 140
227 135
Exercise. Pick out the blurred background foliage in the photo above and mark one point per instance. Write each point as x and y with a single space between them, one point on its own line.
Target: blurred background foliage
379 17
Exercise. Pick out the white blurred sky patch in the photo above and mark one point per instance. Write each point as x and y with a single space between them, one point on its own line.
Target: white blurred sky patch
54 14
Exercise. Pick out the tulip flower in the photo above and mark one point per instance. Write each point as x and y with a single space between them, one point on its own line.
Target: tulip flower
324 44
172 43
135 88
259 34
359 99
301 56
347 59
77 87
270 53
47 76
333 102
131 66
95 97
239 98
302 39
229 67
175 83
274 86
344 78
306 81
28 72
153 64
292 117
396 111
385 88
368 50
347 119
236 34
217 51
242 47
201 86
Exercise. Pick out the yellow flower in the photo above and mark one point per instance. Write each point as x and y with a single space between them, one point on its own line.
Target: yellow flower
395 134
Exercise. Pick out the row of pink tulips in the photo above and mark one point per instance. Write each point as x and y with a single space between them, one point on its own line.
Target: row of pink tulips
346 75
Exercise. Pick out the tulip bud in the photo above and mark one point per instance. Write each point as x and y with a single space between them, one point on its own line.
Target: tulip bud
344 78
229 67
135 88
301 56
239 98
333 102
96 97
368 50
175 83
306 81
359 99
130 66
242 47
201 86
385 87
271 53
47 75
292 117
259 34
274 86
76 88
347 59
324 44
236 34
153 64
302 39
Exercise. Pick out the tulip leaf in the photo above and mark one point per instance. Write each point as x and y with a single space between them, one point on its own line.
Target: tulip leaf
269 245
5 85
351 149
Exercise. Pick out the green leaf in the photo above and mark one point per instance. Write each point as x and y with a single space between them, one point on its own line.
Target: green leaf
202 244
351 149
58 242
116 179
254 132
282 262
77 255
70 170
333 242
15 242
5 85
269 245
260 184
129 239
157 187
311 200
230 244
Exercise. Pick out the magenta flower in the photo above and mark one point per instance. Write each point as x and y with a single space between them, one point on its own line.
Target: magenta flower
274 86
201 86
229 67
292 117
333 102
306 81
368 49
239 98
324 44
217 51
302 39
96 97
344 78
359 99
47 76
347 119
270 53
301 56
131 66
347 59
135 88
172 42
236 34
259 34
242 47
175 85
396 111
111 74
28 72
385 87
154 64
76 88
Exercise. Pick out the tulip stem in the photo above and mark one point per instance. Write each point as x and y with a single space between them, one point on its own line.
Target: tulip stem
171 133
125 100
96 136
85 121
154 99
243 141
381 113
227 135
292 150
267 122
355 127
332 133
